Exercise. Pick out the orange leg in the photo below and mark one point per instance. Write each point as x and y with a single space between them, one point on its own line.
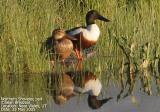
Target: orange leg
78 54
79 66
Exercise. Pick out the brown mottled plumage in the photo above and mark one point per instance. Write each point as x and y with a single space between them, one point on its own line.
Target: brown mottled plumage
62 44
59 45
62 88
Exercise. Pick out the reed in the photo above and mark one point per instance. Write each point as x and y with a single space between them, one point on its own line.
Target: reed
24 25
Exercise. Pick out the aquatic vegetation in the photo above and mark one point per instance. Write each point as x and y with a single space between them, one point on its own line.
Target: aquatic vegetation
24 25
127 51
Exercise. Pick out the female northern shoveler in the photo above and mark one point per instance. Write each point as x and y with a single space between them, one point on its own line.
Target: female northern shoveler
61 90
86 36
59 45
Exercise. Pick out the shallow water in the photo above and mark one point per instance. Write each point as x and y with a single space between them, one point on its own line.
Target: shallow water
137 102
144 104
143 97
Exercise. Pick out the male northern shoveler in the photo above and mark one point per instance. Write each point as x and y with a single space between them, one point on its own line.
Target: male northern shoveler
86 36
59 45
90 85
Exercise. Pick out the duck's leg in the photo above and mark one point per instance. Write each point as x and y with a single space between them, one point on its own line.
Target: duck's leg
79 66
78 54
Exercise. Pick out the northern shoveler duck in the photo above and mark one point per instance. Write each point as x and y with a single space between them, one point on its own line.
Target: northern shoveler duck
61 90
59 45
69 86
90 85
86 36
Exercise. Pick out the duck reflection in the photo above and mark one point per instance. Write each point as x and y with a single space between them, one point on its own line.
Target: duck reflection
76 83
62 87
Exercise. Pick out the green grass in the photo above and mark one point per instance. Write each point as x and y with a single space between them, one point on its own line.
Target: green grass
25 24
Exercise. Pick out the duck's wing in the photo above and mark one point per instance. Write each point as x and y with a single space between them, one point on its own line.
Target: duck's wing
75 31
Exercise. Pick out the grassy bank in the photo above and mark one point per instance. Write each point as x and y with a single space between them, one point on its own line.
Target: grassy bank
25 24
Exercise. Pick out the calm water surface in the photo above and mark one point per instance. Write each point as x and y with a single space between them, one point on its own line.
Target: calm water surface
140 95
137 102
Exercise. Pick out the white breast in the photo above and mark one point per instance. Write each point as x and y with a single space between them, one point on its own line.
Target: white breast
92 87
90 33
